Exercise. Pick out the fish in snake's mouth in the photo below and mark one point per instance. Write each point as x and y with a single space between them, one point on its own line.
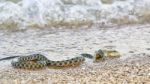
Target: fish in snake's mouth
39 61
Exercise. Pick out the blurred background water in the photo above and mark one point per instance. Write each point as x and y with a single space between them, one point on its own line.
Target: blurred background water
23 14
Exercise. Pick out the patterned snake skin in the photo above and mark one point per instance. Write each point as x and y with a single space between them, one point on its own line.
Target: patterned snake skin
38 61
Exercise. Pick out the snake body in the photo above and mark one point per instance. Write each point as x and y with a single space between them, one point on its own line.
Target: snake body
38 61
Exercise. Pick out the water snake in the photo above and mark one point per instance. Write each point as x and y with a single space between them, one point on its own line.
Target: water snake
39 61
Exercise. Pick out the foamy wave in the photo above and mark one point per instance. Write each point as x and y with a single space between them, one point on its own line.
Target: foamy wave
56 13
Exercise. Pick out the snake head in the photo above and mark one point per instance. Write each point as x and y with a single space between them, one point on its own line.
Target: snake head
98 56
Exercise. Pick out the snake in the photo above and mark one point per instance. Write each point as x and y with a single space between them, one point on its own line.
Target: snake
39 61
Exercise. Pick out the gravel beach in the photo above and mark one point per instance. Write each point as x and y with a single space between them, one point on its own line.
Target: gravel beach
133 43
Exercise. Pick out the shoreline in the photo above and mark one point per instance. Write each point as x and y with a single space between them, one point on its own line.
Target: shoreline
132 70
132 67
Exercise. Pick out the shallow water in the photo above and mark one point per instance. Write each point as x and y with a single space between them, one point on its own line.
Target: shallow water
59 44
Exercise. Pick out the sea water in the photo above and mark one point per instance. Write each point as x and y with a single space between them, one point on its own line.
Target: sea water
23 14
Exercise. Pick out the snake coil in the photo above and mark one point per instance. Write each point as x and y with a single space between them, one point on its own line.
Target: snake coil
38 61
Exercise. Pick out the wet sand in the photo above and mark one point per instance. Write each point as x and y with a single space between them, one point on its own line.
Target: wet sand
111 71
133 42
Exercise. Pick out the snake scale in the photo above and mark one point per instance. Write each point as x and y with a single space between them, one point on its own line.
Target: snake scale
39 61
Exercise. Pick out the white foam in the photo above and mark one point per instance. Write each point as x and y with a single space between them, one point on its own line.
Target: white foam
48 13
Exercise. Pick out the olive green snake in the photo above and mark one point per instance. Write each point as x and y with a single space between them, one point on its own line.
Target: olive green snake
39 61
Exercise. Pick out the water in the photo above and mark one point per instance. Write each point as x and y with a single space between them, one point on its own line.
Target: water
23 14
